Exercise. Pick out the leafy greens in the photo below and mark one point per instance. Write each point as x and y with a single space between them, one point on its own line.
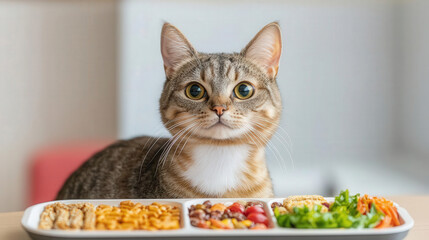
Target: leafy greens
342 213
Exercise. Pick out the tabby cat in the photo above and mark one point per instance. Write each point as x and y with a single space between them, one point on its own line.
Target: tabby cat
221 110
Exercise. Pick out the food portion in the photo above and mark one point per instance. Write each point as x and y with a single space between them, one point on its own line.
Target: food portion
68 216
386 207
306 211
305 200
128 216
346 211
239 215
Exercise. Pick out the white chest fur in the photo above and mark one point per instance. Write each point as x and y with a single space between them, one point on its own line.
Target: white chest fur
217 169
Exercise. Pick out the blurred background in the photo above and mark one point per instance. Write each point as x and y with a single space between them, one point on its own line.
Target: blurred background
77 75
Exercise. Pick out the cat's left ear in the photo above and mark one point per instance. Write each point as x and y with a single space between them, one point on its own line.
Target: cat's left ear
175 49
265 49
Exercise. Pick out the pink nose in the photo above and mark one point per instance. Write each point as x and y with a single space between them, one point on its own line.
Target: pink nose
219 110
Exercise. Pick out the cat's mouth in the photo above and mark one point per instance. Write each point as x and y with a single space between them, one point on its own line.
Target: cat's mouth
219 124
221 129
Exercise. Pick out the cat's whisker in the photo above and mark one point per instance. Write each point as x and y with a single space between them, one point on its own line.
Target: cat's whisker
181 139
261 144
168 128
250 138
157 131
190 118
192 133
171 142
279 158
280 140
289 140
268 121
175 136
186 120
165 125
272 148
247 135
165 145
272 144
287 150
273 132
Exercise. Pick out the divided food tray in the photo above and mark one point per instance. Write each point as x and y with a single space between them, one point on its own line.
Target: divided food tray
30 222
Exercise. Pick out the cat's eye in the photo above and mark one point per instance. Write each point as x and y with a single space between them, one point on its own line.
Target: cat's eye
195 91
244 90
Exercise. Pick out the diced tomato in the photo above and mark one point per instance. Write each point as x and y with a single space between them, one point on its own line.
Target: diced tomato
258 218
236 207
254 209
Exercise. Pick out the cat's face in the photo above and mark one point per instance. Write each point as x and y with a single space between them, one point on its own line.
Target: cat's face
221 96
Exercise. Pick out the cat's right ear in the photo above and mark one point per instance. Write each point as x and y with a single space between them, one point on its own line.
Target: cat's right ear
265 49
175 49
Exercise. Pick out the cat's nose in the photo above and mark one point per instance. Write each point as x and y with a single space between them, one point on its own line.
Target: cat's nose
219 109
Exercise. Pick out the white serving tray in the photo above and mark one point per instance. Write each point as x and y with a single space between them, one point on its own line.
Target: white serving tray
30 222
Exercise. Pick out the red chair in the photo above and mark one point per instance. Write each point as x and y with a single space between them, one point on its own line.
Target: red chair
52 165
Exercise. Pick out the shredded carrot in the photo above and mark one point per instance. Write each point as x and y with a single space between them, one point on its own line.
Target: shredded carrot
385 222
395 216
391 217
363 205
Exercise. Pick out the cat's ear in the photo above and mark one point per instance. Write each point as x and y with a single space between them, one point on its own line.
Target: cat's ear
175 48
265 49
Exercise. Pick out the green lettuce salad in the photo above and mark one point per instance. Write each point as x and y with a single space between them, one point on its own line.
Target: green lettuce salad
342 213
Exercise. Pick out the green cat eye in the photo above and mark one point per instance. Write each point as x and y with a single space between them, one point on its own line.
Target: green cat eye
195 91
244 90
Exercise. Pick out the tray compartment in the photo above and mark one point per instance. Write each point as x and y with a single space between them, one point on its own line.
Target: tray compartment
227 202
404 217
33 217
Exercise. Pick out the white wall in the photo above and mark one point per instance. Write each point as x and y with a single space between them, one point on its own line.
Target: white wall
414 61
413 89
335 73
57 82
337 77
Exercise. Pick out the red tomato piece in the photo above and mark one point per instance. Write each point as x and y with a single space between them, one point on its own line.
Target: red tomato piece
236 207
254 209
258 218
